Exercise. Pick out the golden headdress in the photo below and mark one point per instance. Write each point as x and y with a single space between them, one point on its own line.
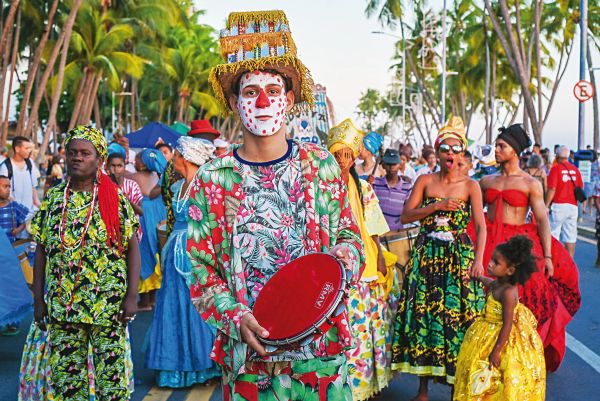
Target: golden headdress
259 40
345 134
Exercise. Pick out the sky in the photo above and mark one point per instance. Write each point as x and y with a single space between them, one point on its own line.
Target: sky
335 41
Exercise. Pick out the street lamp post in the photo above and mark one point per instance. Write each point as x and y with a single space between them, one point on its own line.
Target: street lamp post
443 106
582 63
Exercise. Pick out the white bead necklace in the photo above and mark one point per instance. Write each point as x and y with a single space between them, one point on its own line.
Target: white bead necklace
180 205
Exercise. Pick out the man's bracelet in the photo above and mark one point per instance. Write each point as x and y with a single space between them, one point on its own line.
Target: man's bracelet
547 257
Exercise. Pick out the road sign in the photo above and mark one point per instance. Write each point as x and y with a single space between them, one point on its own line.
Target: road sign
583 90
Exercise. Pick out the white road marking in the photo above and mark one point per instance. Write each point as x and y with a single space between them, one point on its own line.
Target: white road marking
588 356
584 239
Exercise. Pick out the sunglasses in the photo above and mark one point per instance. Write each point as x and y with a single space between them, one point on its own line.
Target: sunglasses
445 148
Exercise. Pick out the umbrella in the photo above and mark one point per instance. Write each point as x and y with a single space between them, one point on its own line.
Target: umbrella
147 136
181 128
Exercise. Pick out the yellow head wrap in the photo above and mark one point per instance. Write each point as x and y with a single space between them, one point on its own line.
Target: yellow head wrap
455 128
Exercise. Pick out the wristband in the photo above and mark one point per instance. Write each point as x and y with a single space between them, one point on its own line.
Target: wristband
547 257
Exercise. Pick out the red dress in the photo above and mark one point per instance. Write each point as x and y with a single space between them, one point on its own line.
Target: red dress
553 301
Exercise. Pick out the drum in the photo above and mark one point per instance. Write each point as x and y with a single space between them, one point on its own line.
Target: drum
302 300
161 232
401 243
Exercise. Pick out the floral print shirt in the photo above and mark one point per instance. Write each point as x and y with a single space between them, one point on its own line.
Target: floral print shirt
270 217
220 288
98 293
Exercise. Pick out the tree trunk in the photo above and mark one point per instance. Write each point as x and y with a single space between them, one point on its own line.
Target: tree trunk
180 108
493 97
132 106
513 55
33 116
8 25
538 61
67 30
78 100
4 72
120 120
33 70
594 99
87 115
87 97
486 92
13 64
97 116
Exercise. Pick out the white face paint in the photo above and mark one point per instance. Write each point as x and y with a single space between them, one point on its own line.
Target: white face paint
262 102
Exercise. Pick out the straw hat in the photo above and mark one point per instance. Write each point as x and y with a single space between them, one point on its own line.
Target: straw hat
259 40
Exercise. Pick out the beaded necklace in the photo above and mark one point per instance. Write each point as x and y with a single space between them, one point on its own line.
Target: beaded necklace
64 244
181 201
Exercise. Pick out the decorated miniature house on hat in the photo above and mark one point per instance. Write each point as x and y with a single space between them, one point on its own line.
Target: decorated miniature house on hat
259 40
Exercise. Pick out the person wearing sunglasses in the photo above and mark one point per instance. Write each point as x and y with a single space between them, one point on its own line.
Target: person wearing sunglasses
439 296
513 196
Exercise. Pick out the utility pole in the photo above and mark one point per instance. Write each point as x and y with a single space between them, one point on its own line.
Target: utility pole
582 65
443 108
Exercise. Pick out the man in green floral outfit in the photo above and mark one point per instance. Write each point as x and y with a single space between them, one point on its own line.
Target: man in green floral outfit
88 260
260 206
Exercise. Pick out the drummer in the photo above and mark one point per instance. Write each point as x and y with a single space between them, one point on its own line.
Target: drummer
258 207
392 190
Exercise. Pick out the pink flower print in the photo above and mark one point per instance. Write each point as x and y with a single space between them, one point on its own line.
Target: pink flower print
213 194
284 257
323 154
195 213
295 192
222 223
325 220
335 192
268 177
287 221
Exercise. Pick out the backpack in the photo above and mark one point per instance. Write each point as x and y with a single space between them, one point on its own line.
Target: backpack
9 168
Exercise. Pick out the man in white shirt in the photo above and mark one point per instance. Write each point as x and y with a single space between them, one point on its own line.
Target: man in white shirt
23 174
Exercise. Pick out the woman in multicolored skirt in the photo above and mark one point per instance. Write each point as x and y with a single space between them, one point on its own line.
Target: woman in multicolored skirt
369 361
439 300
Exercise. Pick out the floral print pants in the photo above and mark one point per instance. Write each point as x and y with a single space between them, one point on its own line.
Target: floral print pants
316 379
68 359
369 361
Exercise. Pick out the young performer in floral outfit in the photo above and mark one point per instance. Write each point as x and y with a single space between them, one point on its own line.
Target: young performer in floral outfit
369 361
260 206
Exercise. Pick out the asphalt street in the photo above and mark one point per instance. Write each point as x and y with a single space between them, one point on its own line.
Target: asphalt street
578 378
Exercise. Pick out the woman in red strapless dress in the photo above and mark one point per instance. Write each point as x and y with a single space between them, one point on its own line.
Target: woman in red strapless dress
552 293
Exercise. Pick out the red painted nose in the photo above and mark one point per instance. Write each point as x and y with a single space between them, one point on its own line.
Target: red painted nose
263 100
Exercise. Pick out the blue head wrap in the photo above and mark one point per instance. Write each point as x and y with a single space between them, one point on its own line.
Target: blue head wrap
118 149
154 160
372 142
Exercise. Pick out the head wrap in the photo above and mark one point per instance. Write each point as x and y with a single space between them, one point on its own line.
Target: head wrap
345 134
195 150
91 134
516 137
455 128
118 149
372 142
154 160
108 192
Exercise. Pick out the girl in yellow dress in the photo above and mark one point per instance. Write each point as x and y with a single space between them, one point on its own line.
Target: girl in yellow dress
502 356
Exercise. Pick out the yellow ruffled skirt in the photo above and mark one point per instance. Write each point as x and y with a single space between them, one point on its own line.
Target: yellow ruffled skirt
522 370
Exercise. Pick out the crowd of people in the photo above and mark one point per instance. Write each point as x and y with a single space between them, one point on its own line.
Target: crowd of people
482 305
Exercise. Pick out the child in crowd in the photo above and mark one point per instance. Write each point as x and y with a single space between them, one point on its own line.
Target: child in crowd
502 355
12 214
12 222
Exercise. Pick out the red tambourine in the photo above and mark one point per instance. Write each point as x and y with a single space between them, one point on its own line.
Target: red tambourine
302 300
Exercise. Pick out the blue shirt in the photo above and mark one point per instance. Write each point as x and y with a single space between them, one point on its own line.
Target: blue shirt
11 217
